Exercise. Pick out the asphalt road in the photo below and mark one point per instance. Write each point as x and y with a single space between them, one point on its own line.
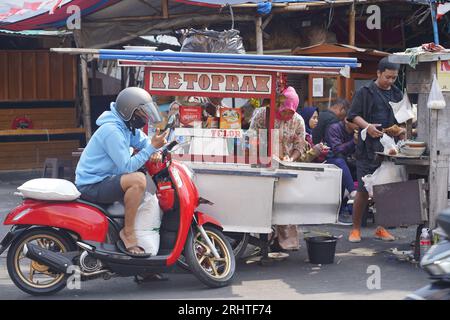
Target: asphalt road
293 278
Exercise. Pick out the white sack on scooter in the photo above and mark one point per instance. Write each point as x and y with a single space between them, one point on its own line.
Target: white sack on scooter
49 189
147 224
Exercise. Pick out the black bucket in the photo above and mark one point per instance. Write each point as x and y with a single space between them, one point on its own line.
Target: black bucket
321 250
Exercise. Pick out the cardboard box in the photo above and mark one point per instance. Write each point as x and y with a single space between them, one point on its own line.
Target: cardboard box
190 116
230 118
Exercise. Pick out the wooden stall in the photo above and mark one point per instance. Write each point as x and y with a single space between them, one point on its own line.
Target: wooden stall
38 114
433 125
325 88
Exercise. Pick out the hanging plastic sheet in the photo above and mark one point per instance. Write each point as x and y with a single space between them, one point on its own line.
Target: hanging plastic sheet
228 41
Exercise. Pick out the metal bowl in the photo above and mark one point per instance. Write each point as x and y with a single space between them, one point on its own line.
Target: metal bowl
415 144
412 151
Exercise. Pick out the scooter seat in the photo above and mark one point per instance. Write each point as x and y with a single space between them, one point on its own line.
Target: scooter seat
115 210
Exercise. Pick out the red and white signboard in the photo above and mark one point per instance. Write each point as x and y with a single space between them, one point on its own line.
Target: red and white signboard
209 133
194 82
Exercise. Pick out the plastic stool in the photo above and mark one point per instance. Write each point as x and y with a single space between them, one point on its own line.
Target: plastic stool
57 167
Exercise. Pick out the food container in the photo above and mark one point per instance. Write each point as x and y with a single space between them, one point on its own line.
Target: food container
415 144
412 151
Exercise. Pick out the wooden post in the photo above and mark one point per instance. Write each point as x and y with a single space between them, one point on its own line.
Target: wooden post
85 103
351 25
165 8
259 35
438 179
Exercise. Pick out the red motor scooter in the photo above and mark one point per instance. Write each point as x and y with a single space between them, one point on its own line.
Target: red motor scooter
50 240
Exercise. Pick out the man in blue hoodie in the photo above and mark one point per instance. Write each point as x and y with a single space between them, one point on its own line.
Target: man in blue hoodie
107 172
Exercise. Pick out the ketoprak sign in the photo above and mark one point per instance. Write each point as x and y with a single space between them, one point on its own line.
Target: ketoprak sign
208 82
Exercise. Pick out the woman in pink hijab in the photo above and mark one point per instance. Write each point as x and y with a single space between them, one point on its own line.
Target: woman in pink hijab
288 103
292 146
289 123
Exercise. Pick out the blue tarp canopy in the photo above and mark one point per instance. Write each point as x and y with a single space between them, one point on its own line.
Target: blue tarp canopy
219 58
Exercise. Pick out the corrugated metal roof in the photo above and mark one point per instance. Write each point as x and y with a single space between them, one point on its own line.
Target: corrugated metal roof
18 15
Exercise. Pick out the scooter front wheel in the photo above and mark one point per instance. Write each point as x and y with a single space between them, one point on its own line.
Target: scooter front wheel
238 242
212 271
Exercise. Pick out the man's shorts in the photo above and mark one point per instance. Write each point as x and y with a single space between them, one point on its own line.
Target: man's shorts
105 192
365 167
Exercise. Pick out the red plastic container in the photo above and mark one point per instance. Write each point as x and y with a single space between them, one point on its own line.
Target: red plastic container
166 195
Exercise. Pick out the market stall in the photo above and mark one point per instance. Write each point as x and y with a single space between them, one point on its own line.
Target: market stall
432 123
250 189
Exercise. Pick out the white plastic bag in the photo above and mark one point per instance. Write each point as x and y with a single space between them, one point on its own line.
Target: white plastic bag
390 147
402 109
147 224
49 189
388 172
436 98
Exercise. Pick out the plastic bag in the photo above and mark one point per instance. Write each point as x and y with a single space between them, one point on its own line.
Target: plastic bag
436 98
388 172
49 189
147 224
402 110
228 41
389 145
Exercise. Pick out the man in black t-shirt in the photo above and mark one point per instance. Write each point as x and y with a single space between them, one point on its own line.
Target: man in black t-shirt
371 109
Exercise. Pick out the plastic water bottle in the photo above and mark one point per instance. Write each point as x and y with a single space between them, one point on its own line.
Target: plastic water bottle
425 241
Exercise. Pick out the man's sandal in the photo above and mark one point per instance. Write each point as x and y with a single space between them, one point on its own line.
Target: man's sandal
121 246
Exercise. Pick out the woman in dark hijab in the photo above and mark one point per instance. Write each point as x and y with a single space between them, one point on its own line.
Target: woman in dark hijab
311 116
319 151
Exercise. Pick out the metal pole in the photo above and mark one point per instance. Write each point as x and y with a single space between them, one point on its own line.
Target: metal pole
434 21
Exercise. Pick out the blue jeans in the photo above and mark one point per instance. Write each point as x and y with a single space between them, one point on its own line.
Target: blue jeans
347 180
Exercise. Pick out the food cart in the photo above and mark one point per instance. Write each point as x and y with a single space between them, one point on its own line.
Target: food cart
250 189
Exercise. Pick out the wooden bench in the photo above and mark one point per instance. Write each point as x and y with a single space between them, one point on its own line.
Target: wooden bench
54 133
28 148
43 114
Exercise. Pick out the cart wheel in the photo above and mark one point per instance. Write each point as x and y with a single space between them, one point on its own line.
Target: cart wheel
212 271
238 241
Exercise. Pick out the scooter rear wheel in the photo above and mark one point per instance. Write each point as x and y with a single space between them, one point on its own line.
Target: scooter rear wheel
214 272
30 276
